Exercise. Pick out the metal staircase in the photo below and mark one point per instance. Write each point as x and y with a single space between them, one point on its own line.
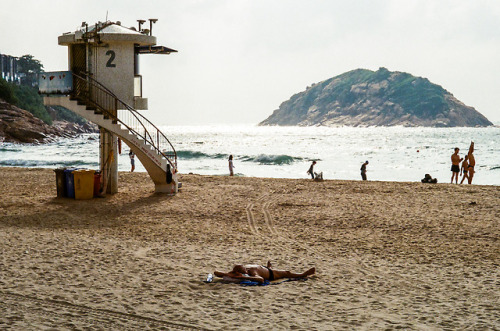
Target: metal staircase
94 102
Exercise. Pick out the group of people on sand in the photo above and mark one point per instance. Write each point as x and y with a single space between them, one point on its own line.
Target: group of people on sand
467 167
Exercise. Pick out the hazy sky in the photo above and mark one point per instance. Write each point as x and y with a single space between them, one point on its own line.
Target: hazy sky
239 59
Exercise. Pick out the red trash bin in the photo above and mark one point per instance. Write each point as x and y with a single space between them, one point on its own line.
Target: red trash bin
97 183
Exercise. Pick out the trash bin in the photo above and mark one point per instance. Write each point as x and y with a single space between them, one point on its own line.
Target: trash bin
84 184
60 182
97 183
69 181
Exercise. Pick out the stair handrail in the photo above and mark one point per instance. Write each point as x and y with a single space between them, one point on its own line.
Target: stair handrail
90 81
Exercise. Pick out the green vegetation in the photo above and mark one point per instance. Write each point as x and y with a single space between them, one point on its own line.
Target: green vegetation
7 92
415 95
29 99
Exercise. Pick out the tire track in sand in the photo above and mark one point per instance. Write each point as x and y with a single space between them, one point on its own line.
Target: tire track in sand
360 266
250 215
107 317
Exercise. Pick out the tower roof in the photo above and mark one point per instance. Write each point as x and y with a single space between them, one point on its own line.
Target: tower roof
106 32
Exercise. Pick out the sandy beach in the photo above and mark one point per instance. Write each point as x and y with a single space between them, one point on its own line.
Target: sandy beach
388 255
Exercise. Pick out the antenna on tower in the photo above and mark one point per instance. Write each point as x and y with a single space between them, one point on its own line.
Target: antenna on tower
106 16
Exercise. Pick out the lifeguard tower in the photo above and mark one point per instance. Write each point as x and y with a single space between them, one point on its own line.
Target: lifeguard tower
103 85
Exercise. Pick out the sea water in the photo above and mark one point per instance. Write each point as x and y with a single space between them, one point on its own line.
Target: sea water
394 153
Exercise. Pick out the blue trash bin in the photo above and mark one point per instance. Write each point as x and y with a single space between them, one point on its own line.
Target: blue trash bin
70 182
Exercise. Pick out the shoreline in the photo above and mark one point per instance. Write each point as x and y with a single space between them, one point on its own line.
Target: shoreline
387 254
236 175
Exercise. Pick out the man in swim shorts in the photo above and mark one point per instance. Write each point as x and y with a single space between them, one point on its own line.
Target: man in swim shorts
258 273
464 168
455 162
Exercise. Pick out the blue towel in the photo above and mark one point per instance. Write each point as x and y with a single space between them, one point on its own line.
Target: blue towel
266 282
252 283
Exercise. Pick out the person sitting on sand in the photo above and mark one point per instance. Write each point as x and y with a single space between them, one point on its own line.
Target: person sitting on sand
465 168
258 273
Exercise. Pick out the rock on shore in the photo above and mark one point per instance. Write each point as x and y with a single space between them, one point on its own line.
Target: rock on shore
20 126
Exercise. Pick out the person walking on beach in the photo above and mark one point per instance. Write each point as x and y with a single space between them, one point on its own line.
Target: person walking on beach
132 160
455 162
258 273
472 162
311 169
363 170
231 166
465 168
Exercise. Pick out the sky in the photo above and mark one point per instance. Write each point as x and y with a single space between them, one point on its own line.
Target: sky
238 60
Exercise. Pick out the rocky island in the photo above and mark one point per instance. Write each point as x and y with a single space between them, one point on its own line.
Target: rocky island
376 98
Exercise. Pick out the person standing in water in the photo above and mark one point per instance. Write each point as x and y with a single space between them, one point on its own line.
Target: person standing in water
363 170
455 168
231 166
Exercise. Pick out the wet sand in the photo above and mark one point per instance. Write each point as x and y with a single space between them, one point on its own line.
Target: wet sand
388 255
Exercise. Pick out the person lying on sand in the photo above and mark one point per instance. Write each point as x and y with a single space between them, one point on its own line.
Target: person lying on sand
258 273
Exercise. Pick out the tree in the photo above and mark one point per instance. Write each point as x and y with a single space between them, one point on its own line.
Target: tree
30 67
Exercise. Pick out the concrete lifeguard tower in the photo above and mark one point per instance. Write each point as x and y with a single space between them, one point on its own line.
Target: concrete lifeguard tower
103 85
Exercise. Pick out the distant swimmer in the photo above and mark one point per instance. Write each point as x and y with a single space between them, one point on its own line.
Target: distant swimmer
455 165
311 169
363 170
258 273
464 168
472 162
231 166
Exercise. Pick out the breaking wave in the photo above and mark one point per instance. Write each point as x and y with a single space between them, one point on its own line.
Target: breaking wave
189 155
261 158
271 159
47 164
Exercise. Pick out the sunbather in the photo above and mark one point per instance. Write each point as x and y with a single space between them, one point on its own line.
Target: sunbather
258 273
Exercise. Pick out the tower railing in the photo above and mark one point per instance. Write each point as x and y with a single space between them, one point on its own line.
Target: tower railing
99 98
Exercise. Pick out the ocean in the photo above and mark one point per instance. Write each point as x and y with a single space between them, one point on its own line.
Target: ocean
394 153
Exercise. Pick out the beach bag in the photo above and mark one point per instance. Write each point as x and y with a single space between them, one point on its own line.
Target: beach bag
428 179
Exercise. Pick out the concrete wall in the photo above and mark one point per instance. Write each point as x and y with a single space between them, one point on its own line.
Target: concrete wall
114 68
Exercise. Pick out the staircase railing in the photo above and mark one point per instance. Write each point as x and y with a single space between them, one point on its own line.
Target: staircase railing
95 95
